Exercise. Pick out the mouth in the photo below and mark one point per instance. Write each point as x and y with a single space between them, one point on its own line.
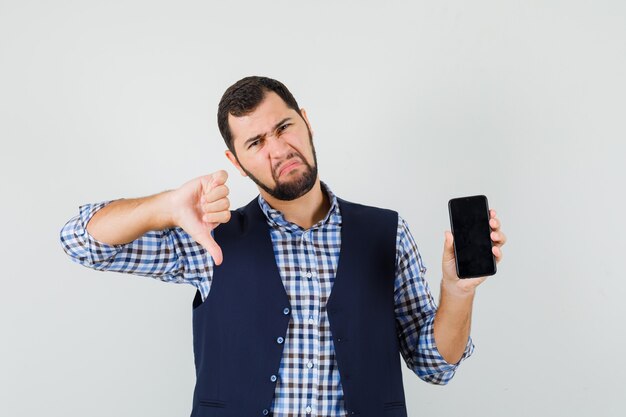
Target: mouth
288 167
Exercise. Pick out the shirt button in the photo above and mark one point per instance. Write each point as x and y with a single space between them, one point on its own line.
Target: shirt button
308 409
308 275
280 339
309 365
286 311
273 378
266 412
311 321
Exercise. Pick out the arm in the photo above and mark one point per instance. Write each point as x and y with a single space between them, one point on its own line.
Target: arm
415 314
170 254
454 316
452 322
166 235
124 220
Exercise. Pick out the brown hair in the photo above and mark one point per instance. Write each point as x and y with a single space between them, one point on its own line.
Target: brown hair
243 97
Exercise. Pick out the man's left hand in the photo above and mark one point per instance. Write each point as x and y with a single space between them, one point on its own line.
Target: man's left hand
468 285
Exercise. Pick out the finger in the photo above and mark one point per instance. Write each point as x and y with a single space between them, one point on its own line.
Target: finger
209 182
497 252
494 223
497 237
215 193
214 206
492 213
219 177
206 182
217 217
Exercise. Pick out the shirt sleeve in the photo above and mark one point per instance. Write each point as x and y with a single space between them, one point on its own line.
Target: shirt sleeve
170 255
415 312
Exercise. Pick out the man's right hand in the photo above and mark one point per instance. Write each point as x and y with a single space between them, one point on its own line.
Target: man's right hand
199 206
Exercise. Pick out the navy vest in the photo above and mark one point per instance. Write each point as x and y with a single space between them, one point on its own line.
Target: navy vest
239 330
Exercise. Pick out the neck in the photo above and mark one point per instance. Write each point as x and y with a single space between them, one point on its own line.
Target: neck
306 210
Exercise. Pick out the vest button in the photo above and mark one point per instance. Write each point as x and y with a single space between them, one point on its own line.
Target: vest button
273 378
280 339
286 311
266 412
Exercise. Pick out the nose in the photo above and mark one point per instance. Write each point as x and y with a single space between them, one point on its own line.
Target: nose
277 147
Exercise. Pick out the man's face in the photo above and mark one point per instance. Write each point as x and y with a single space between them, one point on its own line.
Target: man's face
270 139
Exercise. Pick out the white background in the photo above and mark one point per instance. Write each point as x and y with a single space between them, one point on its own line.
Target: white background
411 103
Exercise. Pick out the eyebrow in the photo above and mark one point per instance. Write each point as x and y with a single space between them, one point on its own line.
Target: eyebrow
257 137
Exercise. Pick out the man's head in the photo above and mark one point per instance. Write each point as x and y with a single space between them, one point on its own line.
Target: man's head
265 131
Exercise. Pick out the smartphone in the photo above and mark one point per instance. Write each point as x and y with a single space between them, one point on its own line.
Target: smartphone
469 221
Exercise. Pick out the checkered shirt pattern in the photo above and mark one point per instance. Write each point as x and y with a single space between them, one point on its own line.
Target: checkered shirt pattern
308 379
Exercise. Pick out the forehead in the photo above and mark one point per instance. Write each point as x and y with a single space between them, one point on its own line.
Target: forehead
262 120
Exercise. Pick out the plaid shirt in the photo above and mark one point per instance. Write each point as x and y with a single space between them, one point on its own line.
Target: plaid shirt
308 380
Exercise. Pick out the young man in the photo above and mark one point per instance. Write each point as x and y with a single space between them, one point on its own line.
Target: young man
304 300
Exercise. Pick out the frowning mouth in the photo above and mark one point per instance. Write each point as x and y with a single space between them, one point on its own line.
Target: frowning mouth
288 167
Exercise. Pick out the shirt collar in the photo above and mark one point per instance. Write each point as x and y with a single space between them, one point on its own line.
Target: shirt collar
276 217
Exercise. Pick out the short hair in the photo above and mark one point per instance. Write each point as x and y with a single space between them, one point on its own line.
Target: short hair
244 97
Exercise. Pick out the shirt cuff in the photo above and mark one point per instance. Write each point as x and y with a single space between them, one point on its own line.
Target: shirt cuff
97 251
440 371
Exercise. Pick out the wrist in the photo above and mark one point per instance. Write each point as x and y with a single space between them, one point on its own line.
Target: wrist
451 288
163 216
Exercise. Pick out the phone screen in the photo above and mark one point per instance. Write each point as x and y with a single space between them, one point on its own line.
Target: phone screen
469 220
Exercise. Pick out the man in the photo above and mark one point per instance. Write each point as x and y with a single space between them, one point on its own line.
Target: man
303 300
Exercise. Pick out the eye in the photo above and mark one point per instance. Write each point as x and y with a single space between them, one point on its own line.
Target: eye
253 143
283 127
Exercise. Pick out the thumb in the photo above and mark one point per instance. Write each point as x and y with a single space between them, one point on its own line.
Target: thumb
448 247
209 243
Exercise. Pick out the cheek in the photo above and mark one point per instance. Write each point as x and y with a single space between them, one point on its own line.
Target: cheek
302 145
260 166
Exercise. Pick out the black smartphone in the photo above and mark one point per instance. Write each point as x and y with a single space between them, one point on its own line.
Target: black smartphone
469 221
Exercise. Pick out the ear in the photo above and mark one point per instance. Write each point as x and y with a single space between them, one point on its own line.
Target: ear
306 120
231 157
